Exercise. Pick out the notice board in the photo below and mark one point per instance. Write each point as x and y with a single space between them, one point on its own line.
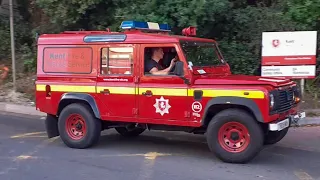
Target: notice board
289 54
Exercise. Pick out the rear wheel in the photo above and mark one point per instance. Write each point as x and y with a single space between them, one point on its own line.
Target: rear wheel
275 136
234 136
78 127
129 132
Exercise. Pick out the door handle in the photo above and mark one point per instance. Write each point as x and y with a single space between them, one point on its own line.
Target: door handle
105 91
147 93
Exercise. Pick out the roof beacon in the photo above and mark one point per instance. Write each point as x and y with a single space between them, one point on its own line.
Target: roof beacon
189 31
145 26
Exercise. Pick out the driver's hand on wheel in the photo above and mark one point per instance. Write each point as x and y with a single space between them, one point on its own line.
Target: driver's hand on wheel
173 62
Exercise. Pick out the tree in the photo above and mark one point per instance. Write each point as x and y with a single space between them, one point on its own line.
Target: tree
84 14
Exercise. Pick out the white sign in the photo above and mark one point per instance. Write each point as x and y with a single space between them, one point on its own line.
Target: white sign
288 71
289 48
196 107
162 106
296 43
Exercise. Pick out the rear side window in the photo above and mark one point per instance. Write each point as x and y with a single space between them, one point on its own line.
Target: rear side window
117 60
74 60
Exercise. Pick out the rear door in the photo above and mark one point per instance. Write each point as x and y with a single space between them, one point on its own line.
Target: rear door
116 86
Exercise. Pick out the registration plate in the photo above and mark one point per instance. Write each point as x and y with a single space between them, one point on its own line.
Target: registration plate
279 125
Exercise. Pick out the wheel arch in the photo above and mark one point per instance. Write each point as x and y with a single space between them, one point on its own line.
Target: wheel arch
216 105
69 98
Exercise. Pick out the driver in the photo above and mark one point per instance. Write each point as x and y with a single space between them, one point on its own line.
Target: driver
152 65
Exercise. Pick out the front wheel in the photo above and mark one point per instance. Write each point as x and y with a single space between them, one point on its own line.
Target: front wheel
78 127
234 136
275 136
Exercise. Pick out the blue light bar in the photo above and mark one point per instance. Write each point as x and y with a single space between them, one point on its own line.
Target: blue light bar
145 25
105 38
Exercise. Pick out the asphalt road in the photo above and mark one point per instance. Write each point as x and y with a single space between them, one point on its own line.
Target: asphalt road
26 153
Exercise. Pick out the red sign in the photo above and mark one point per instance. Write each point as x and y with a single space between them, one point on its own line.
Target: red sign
67 60
288 60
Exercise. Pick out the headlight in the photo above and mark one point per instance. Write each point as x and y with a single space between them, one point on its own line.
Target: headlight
296 95
271 97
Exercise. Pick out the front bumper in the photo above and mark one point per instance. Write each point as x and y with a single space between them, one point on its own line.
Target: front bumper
282 124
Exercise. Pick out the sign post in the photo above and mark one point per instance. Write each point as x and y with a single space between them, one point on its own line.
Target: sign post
289 55
12 47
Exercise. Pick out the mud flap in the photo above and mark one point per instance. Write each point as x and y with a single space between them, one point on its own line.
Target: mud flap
51 125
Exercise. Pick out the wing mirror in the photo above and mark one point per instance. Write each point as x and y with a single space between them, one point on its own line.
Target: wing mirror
179 69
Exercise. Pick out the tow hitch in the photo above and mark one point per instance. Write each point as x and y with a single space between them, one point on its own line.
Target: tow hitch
295 118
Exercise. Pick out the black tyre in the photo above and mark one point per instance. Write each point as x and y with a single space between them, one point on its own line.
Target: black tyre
129 133
275 136
51 125
78 127
234 136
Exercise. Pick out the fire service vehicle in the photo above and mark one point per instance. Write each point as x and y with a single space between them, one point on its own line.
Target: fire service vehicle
146 78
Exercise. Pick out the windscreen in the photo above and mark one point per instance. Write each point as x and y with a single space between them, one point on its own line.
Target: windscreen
202 54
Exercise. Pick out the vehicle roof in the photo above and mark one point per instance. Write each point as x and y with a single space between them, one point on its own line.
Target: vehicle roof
77 37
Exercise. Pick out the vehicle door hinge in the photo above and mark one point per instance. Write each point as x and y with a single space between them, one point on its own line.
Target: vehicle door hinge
135 111
187 114
136 79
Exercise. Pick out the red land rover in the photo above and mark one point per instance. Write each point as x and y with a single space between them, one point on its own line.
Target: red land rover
146 78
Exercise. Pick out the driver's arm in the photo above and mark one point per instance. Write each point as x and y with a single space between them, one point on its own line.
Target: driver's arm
155 70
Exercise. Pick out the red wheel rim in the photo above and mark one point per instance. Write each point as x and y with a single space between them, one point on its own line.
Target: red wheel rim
234 137
76 126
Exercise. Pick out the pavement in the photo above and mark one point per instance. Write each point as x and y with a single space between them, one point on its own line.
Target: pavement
26 153
20 109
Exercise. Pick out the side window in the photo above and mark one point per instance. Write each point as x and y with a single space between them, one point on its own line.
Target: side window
117 61
159 57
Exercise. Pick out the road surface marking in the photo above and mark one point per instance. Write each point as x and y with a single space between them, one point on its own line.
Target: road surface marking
27 134
147 169
150 155
154 155
30 154
303 175
31 137
24 157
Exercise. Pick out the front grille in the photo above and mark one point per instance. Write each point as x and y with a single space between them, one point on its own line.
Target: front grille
283 100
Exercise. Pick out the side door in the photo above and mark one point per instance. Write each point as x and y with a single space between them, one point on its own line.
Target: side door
161 97
116 86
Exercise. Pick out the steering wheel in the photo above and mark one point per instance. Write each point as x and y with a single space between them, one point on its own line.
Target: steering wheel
174 66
